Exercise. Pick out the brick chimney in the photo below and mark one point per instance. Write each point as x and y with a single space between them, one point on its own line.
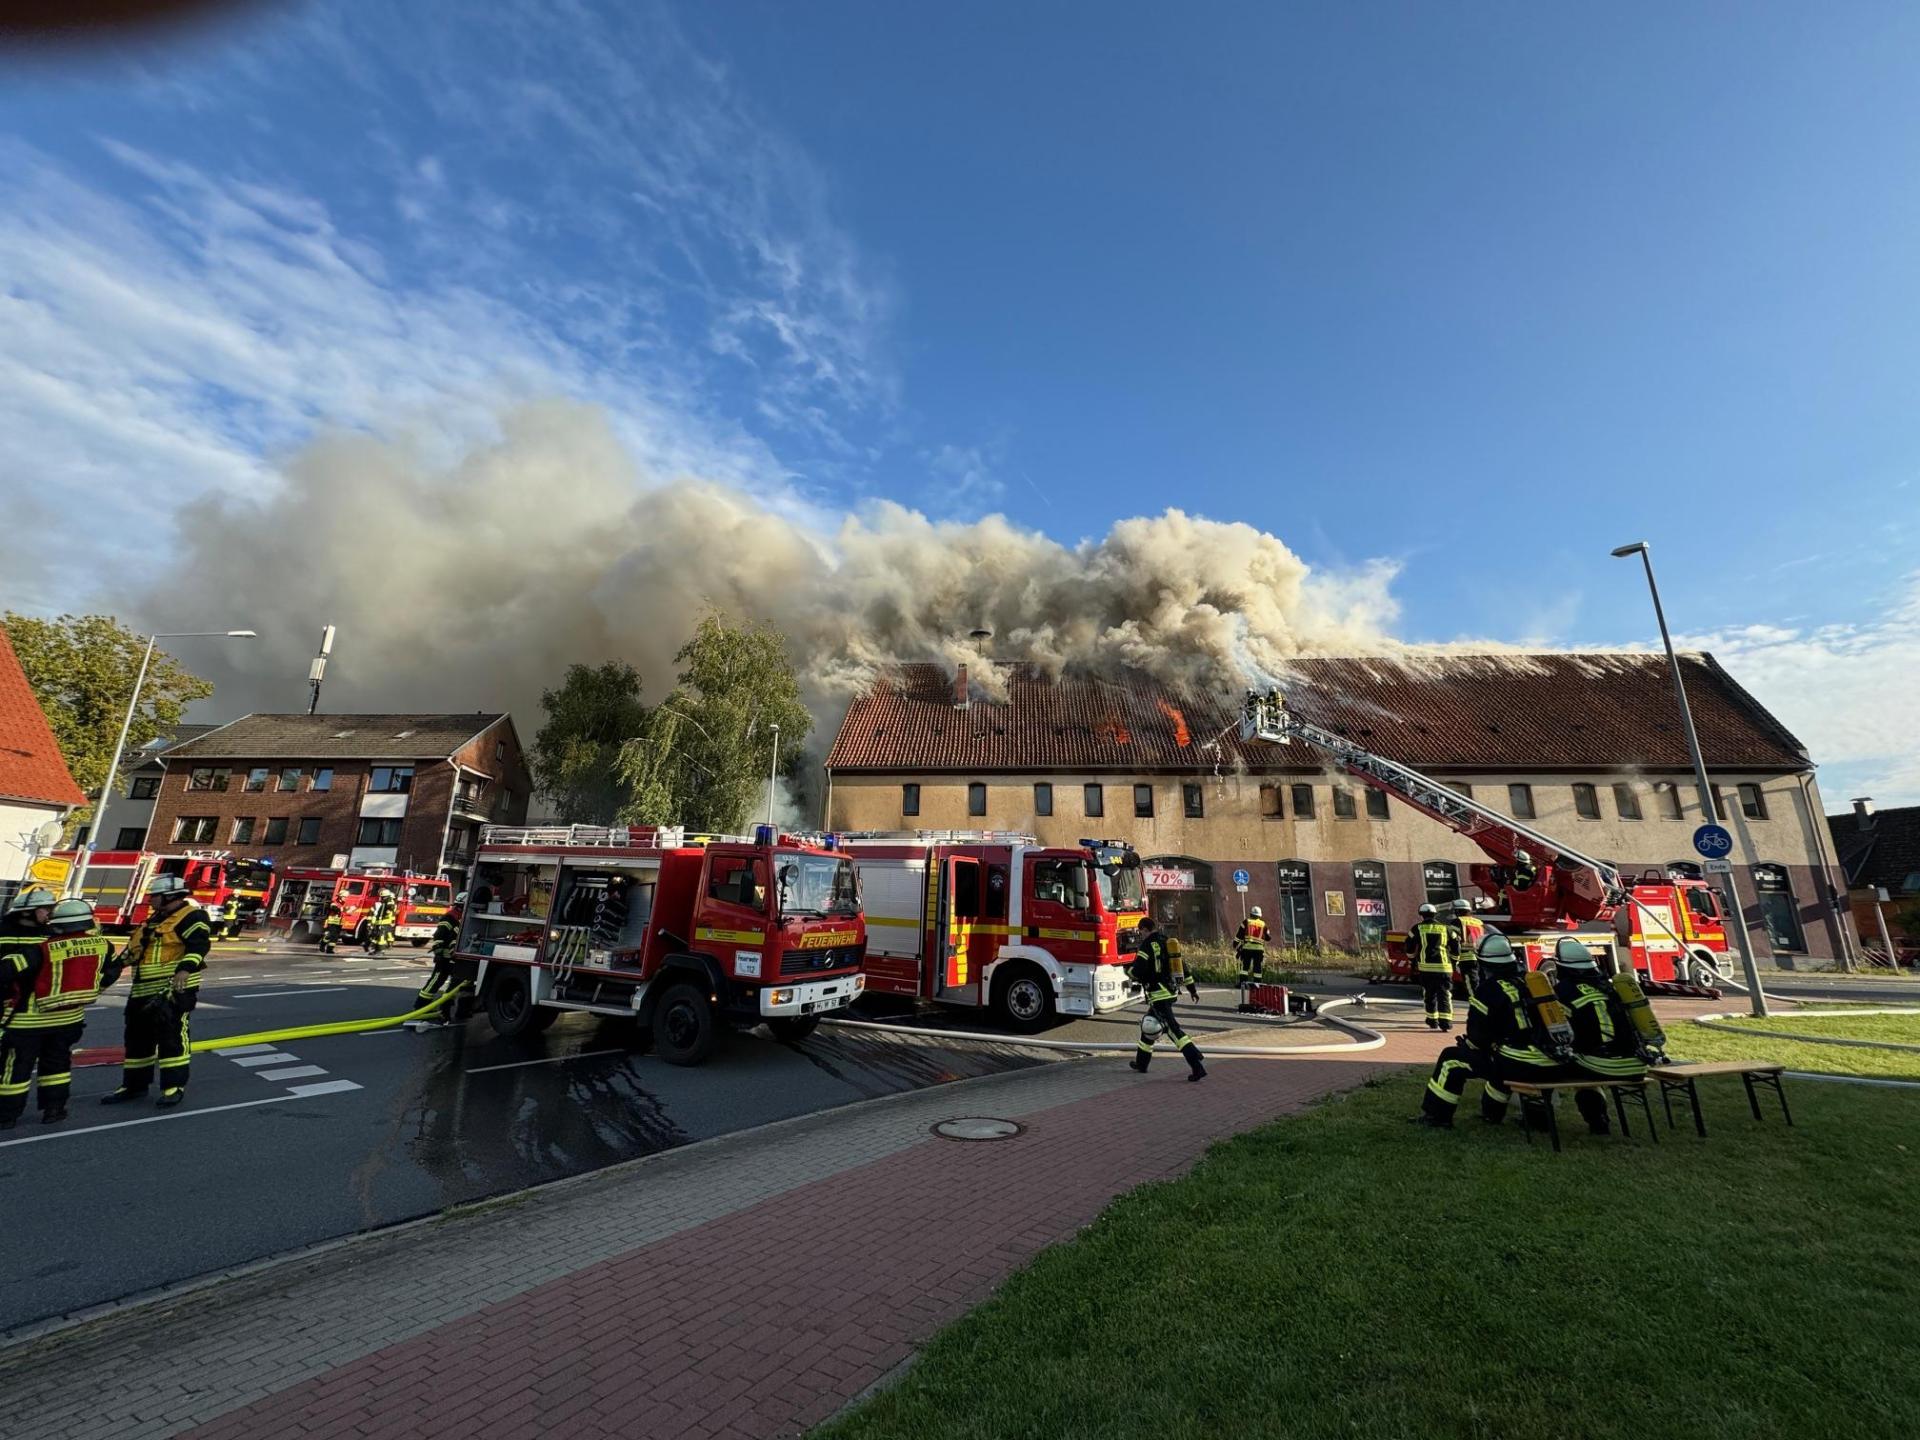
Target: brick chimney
960 697
1863 812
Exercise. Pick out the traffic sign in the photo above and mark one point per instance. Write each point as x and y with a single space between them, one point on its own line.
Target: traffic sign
1713 841
1240 878
51 870
1718 867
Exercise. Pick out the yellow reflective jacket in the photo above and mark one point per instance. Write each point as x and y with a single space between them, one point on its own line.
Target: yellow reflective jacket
159 948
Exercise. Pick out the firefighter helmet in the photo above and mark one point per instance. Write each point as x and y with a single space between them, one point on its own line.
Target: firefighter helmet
385 893
71 917
167 887
1570 954
1464 907
1523 857
37 898
1254 913
1428 910
1496 949
1150 1026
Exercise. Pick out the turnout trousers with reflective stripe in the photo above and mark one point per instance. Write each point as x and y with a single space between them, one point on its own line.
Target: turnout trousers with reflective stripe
1436 992
47 1049
157 1042
1493 1104
1253 961
1162 1010
1457 1064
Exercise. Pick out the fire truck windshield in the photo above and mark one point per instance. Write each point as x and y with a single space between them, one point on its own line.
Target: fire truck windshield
249 874
816 885
1121 887
435 893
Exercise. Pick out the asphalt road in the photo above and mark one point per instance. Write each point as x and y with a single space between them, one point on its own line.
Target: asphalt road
290 1145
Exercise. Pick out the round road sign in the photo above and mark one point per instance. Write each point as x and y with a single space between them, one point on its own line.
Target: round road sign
1713 841
1240 877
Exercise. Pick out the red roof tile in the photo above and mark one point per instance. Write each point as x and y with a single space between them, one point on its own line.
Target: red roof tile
31 768
1494 712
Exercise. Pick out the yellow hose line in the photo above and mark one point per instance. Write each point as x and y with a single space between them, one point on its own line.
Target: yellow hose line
336 1027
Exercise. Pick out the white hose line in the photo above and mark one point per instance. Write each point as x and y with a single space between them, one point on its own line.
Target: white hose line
1852 1080
1719 1022
1370 1039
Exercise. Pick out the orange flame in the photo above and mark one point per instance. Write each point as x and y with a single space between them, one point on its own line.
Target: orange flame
1181 735
1117 732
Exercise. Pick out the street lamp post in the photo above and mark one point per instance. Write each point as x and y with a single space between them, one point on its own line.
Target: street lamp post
1729 896
79 877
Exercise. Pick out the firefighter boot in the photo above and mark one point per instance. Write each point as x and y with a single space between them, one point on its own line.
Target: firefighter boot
123 1095
54 1114
171 1096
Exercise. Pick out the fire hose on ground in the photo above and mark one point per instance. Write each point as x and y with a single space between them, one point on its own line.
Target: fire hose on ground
111 1056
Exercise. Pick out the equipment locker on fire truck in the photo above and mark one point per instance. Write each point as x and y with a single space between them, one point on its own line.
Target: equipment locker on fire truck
992 918
682 934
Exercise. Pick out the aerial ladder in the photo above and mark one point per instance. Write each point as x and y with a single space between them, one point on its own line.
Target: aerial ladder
1570 889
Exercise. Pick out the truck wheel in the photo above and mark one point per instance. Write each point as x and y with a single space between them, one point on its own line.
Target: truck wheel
510 1007
684 1026
793 1027
1023 999
1702 971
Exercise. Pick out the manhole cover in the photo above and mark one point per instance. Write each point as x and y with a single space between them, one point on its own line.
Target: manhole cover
977 1127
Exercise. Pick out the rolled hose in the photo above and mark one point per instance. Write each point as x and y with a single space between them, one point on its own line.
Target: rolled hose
336 1027
1369 1039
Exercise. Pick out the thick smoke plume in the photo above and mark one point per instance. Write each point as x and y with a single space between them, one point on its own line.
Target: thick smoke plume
473 584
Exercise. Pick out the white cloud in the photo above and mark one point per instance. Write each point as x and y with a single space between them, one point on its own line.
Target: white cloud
1850 692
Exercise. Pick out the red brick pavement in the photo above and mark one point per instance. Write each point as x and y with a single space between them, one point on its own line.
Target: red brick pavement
768 1320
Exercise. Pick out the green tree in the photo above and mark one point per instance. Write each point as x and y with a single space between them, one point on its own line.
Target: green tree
82 669
576 754
703 757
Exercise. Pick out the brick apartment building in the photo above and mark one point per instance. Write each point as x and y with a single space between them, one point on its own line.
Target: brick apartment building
1586 747
403 790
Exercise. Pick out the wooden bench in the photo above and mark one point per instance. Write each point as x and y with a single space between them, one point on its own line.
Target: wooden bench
1546 1089
1683 1078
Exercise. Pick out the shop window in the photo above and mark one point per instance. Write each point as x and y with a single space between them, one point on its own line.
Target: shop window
977 798
1182 898
144 787
1520 801
1343 806
1303 802
909 799
277 831
1376 804
1042 798
1626 804
1753 804
1143 802
1093 801
1372 912
1296 903
1193 801
1778 910
310 830
1586 802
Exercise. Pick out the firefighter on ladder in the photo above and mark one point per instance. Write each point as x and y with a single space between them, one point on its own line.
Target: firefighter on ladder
1250 946
46 985
1605 1044
1520 876
1153 968
1435 946
168 955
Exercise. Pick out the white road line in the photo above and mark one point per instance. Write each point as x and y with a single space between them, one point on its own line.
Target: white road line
547 1060
276 994
323 1087
273 1057
244 1050
145 1120
298 1072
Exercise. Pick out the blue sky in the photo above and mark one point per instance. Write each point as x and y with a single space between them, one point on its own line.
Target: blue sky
1478 292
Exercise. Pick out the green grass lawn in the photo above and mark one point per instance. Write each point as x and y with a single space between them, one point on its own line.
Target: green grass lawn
1341 1273
1686 1041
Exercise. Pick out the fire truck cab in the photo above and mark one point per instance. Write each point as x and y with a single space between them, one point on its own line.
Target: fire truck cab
995 919
682 934
300 904
117 881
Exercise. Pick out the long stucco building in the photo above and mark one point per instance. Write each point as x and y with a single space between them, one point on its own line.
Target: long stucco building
1588 748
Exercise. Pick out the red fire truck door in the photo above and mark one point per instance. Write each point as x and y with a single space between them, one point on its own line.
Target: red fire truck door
962 943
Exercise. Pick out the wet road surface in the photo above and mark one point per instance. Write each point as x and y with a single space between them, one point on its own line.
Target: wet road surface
292 1144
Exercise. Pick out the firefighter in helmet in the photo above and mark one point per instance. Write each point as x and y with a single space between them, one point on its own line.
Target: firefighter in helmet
1435 946
446 935
379 932
332 921
23 929
1153 968
29 913
1471 930
1518 877
1498 1041
1606 1046
45 988
168 955
1250 945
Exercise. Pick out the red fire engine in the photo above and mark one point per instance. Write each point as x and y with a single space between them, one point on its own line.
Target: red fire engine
1668 929
300 904
680 933
117 880
987 917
